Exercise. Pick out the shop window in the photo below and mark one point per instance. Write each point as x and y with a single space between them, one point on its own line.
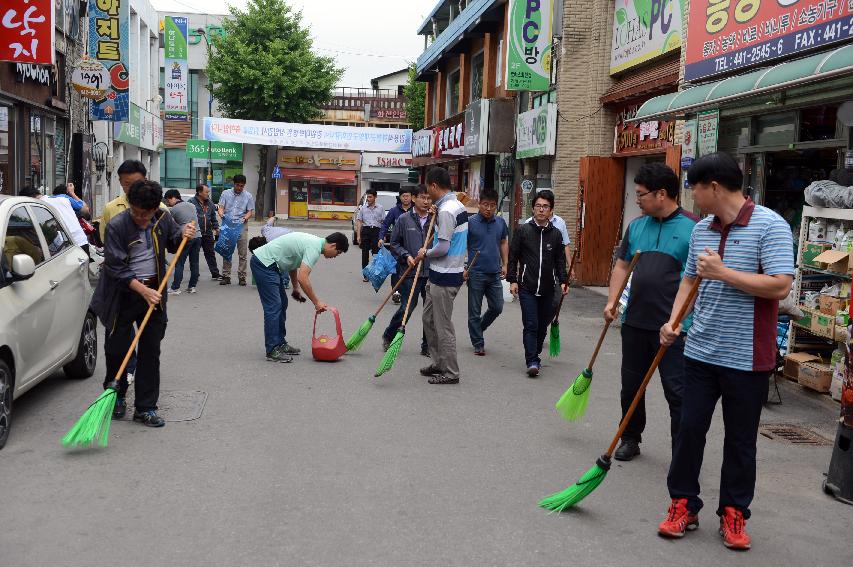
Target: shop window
775 129
343 195
733 134
453 93
21 238
59 151
176 169
499 64
36 151
818 123
477 77
5 135
55 236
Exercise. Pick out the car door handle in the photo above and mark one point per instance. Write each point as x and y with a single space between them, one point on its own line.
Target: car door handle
53 284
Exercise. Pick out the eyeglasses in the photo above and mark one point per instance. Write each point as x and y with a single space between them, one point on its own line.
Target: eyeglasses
641 195
542 207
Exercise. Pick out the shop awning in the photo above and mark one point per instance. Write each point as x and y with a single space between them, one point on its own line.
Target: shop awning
327 176
794 73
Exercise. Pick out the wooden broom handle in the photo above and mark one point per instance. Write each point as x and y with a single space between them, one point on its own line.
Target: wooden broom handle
694 289
418 272
634 261
393 290
160 289
568 279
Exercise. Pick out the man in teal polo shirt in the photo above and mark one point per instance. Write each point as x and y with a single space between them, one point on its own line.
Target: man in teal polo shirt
295 254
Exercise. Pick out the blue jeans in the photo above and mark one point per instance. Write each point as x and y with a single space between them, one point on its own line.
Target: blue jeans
536 314
480 284
404 289
192 250
274 301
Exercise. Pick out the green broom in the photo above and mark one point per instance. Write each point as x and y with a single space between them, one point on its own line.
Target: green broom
357 338
572 404
595 476
554 336
393 351
93 427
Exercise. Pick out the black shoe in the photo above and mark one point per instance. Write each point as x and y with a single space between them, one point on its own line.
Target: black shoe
276 355
386 344
289 350
430 370
149 418
442 379
121 408
225 280
396 298
425 352
216 278
627 450
242 282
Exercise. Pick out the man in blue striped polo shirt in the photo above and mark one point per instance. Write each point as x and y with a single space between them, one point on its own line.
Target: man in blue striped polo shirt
447 258
744 254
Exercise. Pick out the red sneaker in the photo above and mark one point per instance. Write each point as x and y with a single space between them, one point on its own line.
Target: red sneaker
678 520
733 529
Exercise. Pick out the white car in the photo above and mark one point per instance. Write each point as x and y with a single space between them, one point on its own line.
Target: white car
45 322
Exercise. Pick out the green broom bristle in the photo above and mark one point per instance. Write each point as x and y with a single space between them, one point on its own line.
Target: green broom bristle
572 405
356 340
554 340
93 427
561 501
391 354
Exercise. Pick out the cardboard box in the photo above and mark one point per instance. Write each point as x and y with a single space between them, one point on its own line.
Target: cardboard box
833 261
815 376
841 333
811 250
831 305
823 325
806 320
794 361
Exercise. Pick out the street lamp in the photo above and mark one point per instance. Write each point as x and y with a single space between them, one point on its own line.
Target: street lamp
203 33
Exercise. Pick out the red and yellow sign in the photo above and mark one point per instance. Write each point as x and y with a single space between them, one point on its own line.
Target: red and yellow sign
640 137
726 35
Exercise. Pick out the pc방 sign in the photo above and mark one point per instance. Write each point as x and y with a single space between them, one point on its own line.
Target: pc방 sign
26 31
643 30
528 66
109 43
536 132
724 35
176 69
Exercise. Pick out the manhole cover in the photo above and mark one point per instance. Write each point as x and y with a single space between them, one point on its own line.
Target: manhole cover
794 434
175 405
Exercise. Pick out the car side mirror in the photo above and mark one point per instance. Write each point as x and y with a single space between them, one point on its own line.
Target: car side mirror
23 267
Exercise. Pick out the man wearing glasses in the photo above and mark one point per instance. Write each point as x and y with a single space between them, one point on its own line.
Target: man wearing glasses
662 234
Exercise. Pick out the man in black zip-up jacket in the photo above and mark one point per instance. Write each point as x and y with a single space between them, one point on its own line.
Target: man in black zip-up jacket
537 267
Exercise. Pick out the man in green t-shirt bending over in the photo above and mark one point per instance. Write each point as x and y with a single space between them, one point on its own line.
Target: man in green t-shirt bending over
294 254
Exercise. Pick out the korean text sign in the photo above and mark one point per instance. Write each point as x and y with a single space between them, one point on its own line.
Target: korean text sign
528 65
176 68
725 35
109 37
26 31
643 30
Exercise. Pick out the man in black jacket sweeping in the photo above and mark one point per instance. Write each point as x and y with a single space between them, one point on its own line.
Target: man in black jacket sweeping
537 265
135 247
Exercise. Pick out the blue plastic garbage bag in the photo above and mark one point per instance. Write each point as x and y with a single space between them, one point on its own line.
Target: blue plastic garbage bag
380 267
229 234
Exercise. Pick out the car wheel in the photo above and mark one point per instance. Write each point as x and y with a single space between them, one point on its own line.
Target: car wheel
6 389
83 365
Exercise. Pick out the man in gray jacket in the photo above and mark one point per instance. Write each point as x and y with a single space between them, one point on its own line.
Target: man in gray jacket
406 239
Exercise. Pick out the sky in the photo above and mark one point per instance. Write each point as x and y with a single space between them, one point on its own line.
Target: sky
368 38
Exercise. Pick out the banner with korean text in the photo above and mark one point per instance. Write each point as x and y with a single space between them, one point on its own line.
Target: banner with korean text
528 64
109 38
26 31
308 135
726 35
643 30
176 69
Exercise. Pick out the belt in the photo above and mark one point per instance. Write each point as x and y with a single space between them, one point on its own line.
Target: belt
149 282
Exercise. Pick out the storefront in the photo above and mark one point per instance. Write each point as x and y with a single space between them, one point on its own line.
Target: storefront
317 184
443 145
488 132
33 128
384 172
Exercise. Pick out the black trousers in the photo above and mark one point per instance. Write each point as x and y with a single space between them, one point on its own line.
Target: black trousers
147 376
537 312
207 244
369 242
639 347
743 394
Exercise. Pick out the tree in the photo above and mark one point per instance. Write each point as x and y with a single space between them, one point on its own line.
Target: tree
262 68
415 93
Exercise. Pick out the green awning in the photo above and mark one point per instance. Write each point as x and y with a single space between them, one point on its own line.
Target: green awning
779 77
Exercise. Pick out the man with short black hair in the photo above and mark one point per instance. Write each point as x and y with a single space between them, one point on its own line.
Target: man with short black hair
404 205
662 235
295 254
368 222
744 254
236 207
129 172
208 226
134 266
184 214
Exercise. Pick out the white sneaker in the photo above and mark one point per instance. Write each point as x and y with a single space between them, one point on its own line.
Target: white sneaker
191 290
174 291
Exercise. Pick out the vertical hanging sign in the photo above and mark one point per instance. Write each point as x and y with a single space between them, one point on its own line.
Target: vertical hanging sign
176 68
528 65
109 39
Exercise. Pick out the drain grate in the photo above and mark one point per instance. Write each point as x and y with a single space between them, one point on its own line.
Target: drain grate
793 434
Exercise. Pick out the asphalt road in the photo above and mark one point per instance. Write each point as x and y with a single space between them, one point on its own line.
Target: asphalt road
321 464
